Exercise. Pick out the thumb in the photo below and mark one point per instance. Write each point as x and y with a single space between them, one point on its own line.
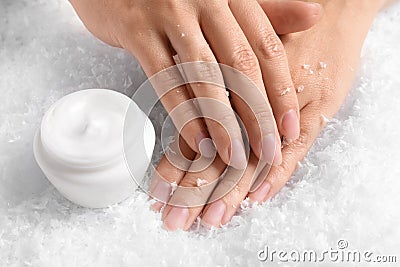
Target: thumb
291 16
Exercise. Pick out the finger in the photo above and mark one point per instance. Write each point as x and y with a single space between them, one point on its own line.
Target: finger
312 122
231 48
189 43
291 16
157 62
167 174
274 65
192 193
221 210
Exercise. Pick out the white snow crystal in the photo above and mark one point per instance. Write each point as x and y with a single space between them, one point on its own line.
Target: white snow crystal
325 119
245 204
286 91
300 89
201 182
174 186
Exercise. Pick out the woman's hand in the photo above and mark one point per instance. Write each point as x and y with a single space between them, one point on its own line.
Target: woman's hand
322 62
232 32
332 50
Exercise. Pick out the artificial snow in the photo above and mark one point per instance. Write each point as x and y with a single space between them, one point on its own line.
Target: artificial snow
346 188
286 91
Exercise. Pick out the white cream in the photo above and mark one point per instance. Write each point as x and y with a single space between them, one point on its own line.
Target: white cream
80 146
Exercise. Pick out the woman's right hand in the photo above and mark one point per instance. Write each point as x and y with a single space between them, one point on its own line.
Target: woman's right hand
232 32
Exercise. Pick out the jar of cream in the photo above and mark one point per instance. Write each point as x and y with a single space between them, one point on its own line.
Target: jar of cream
81 146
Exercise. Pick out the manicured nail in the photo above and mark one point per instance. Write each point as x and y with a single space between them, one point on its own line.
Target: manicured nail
268 148
238 155
162 191
260 194
157 206
176 218
214 214
317 8
290 124
207 148
315 4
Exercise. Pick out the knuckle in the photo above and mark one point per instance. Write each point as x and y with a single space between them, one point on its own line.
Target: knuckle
265 121
203 89
205 74
244 59
263 116
184 117
300 144
166 80
225 119
270 47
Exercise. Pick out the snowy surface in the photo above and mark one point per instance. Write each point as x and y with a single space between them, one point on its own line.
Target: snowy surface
347 187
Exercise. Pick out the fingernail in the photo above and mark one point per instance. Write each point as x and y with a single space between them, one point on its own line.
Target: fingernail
162 191
199 137
317 5
290 124
157 206
176 218
317 8
214 214
207 148
268 148
238 155
261 192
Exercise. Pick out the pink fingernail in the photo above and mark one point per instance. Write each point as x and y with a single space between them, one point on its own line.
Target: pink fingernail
204 144
162 191
176 218
260 194
214 214
157 206
238 155
317 6
290 124
207 148
268 148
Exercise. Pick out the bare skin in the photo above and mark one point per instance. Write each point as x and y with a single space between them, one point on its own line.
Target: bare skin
332 42
230 32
